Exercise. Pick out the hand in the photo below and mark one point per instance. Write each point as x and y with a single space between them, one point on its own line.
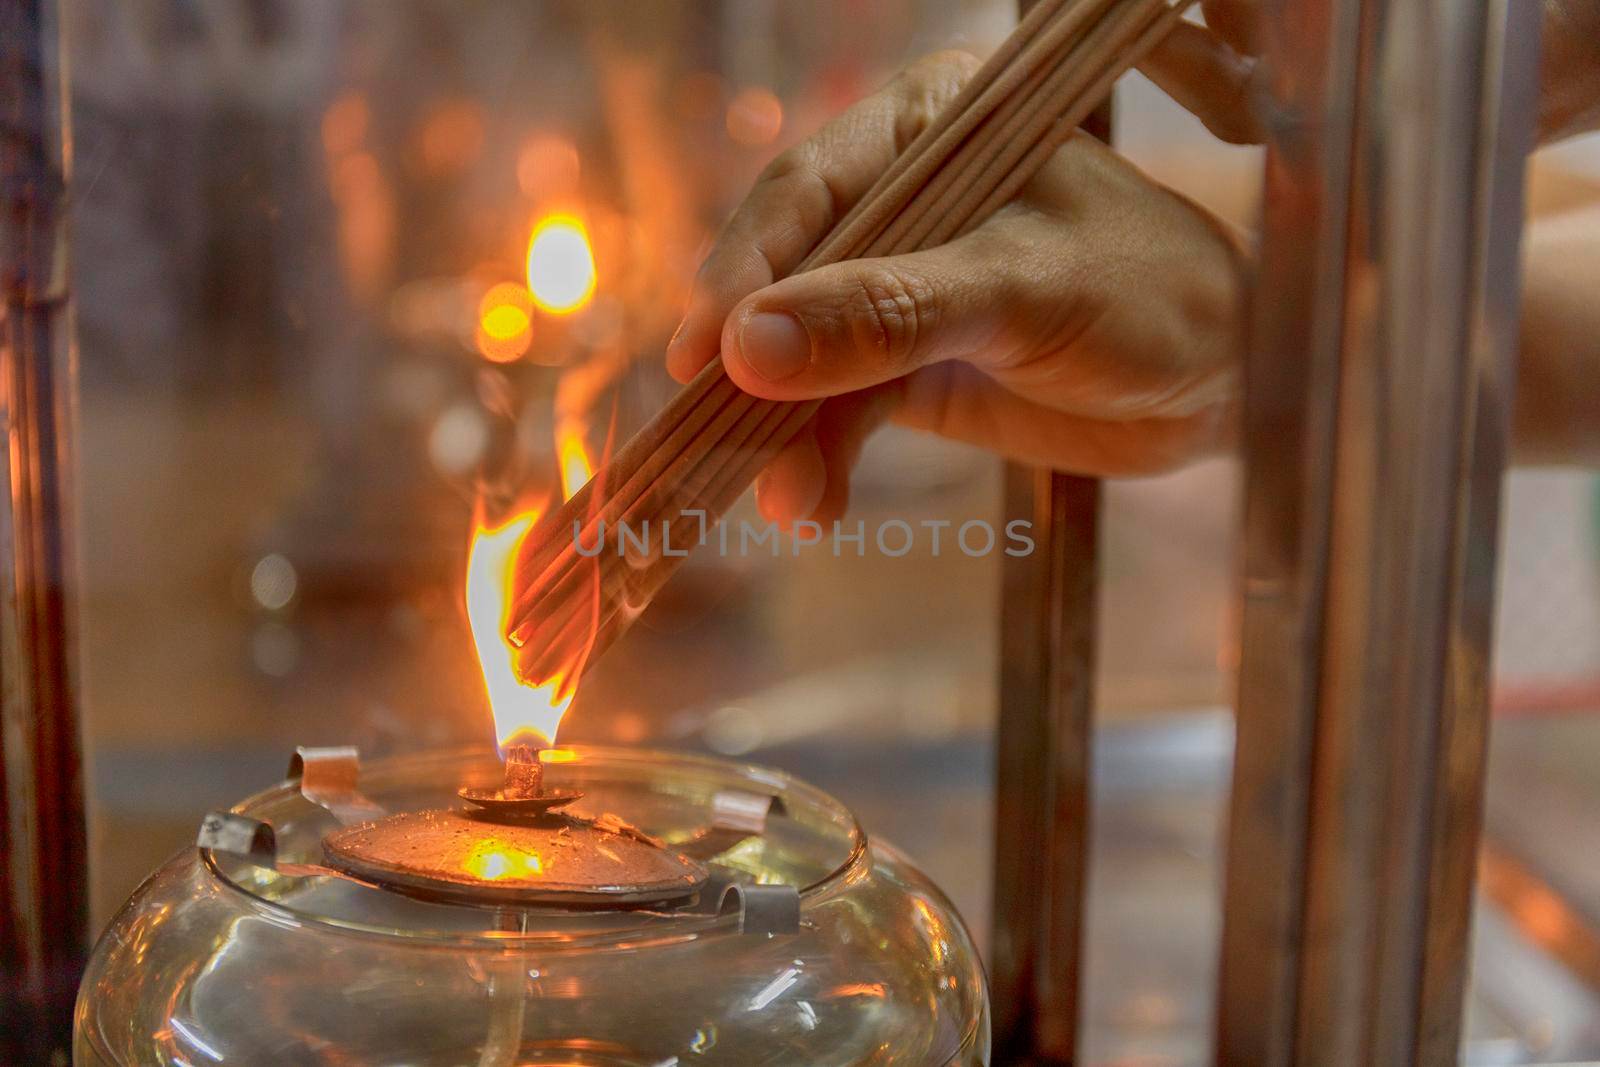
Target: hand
1091 325
1215 72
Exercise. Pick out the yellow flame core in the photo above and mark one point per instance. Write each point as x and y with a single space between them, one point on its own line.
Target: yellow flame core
576 469
523 713
561 274
494 860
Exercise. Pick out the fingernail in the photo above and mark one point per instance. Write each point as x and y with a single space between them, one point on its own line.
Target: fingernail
677 336
763 490
774 345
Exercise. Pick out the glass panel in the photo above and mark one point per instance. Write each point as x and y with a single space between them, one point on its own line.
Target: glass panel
301 249
302 235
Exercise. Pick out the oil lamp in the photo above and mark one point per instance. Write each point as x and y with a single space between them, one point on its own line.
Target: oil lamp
681 910
533 906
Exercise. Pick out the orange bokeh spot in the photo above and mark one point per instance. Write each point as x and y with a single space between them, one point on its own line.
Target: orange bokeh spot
450 137
548 167
755 117
505 323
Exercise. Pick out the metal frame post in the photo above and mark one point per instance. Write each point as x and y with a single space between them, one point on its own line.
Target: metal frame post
1377 394
43 866
1042 775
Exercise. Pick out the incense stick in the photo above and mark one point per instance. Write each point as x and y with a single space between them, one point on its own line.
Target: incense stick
702 450
565 635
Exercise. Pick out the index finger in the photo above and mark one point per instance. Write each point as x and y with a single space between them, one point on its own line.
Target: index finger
804 193
1236 21
1211 80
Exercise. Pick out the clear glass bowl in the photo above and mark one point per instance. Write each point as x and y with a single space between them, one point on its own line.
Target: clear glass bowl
216 960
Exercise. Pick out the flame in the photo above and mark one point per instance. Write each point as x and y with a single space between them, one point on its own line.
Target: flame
576 467
561 273
492 860
523 713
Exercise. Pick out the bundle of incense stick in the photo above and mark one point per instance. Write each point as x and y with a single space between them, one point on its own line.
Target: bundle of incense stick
589 569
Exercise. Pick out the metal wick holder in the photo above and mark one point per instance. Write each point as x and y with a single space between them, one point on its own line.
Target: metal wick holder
524 793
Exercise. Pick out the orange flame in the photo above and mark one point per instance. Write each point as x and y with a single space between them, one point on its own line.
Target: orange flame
573 457
522 713
561 274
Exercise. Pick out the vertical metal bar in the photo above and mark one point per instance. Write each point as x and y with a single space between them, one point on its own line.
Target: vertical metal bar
1291 362
1042 780
1505 127
1074 581
1020 777
1359 777
43 883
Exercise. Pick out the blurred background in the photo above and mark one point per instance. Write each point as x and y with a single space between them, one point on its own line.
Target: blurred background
308 349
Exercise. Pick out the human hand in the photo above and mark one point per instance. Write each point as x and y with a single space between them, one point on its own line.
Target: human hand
1214 70
1091 325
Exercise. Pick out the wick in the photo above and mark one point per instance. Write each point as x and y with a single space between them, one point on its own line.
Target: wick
524 773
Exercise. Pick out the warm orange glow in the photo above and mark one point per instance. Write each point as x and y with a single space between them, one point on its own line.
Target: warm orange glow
875 990
497 351
755 117
548 167
561 273
1544 915
505 320
576 467
449 137
934 927
528 714
699 95
344 124
493 860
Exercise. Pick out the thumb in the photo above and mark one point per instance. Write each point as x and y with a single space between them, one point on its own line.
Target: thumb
855 324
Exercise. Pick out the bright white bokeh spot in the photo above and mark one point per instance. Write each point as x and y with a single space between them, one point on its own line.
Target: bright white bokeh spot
560 265
273 582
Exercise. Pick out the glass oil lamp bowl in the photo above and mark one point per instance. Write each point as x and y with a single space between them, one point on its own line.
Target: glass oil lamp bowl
681 910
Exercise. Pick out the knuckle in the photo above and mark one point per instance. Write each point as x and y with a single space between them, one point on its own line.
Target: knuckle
926 86
791 205
798 184
728 272
784 164
816 201
890 313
